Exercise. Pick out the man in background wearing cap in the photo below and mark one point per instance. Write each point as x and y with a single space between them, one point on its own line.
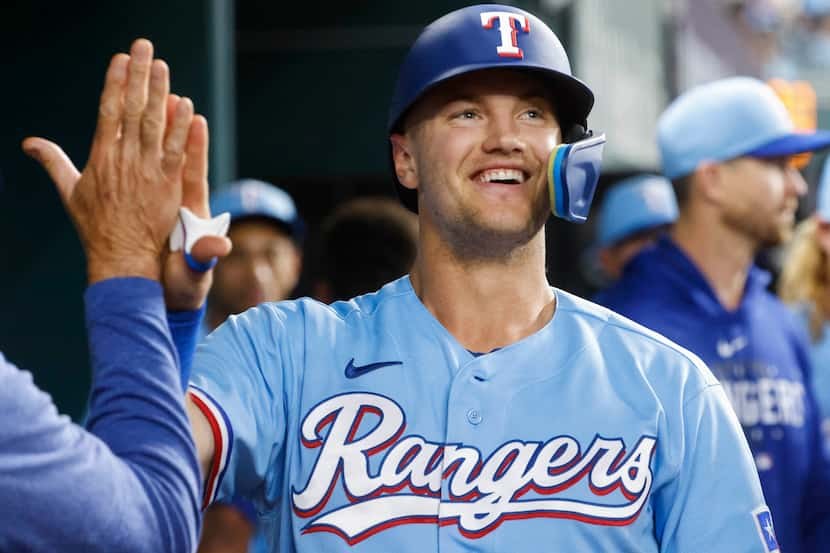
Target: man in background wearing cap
469 406
264 266
266 260
634 212
726 146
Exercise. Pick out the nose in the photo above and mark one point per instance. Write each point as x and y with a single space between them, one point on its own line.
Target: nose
257 270
796 182
503 135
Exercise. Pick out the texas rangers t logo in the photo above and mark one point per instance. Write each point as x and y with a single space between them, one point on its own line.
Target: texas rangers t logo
456 484
509 25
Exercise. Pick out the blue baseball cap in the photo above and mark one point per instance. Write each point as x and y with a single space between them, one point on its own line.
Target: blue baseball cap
253 198
727 119
635 204
816 8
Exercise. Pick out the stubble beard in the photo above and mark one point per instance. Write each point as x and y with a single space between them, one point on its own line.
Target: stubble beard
765 233
472 238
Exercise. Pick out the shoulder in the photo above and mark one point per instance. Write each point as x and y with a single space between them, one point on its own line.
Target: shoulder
623 342
637 285
777 315
278 321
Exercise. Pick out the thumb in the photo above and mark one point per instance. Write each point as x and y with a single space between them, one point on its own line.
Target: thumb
60 168
208 247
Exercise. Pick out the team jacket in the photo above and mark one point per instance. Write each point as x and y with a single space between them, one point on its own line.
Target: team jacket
365 426
759 353
130 483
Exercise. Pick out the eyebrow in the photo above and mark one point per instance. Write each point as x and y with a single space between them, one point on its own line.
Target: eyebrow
530 95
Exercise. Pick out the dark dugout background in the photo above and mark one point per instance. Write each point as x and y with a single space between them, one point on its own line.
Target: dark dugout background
295 92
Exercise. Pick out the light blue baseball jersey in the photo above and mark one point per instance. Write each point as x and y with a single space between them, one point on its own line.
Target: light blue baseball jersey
365 426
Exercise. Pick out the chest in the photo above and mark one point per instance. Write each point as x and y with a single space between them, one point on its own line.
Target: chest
394 444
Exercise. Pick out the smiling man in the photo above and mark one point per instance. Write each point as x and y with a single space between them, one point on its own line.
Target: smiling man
727 147
470 406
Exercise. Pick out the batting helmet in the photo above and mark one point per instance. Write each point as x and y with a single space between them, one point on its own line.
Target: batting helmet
483 37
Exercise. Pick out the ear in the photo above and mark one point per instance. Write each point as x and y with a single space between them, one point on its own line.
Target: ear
297 268
608 262
708 183
404 163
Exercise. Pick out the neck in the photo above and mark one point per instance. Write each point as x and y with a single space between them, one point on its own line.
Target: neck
723 255
214 318
484 303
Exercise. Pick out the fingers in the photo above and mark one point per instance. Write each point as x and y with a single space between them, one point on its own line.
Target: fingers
195 172
60 168
208 247
111 105
174 143
155 114
135 98
172 102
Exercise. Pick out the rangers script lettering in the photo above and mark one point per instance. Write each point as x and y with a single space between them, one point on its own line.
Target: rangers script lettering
482 492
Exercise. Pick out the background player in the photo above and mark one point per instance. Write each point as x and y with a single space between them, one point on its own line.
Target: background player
448 410
737 194
265 264
131 482
634 212
804 284
365 243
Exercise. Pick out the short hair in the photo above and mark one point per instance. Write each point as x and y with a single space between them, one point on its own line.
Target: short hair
366 243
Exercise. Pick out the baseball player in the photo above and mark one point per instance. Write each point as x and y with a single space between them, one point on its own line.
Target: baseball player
634 212
804 285
469 406
130 482
727 148
267 233
364 243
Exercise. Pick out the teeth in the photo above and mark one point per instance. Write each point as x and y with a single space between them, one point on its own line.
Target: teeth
501 175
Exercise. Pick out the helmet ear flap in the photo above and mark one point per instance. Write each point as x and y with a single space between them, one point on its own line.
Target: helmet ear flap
573 173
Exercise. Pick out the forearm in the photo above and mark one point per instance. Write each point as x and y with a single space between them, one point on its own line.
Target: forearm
185 327
137 407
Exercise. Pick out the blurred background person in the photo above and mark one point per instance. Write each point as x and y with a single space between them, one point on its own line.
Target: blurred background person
814 38
263 266
634 212
266 260
805 285
699 286
364 244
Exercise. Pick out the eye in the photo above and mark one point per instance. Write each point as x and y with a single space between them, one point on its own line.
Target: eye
465 115
533 113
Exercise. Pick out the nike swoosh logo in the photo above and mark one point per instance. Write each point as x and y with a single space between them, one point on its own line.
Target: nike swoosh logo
353 371
727 349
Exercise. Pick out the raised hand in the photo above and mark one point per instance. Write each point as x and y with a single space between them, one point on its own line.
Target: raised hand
125 202
185 289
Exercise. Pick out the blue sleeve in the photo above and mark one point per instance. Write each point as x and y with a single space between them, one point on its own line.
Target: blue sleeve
699 509
237 383
185 327
816 498
130 483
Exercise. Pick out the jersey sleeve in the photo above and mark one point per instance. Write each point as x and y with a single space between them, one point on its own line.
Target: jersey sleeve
130 482
816 498
237 384
714 503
